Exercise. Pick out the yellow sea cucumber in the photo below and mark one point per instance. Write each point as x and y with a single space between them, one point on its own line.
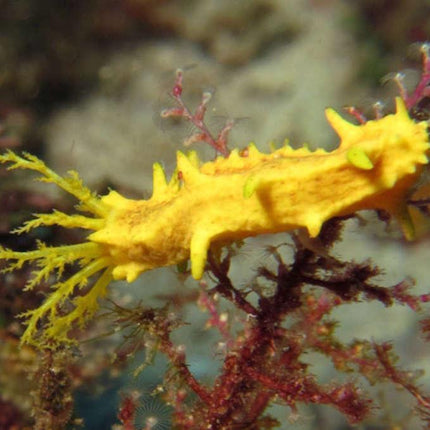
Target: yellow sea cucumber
246 194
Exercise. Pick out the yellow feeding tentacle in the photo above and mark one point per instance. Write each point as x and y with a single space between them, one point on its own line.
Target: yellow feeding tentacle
84 307
73 184
62 219
91 257
49 312
50 259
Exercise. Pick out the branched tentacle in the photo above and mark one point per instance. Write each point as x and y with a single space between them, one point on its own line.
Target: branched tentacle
50 323
50 258
84 308
61 219
46 315
71 184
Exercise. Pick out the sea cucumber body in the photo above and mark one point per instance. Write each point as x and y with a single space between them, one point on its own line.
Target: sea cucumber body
250 193
245 194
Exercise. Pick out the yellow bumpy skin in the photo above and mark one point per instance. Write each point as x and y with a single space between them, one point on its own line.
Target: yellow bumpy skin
246 194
